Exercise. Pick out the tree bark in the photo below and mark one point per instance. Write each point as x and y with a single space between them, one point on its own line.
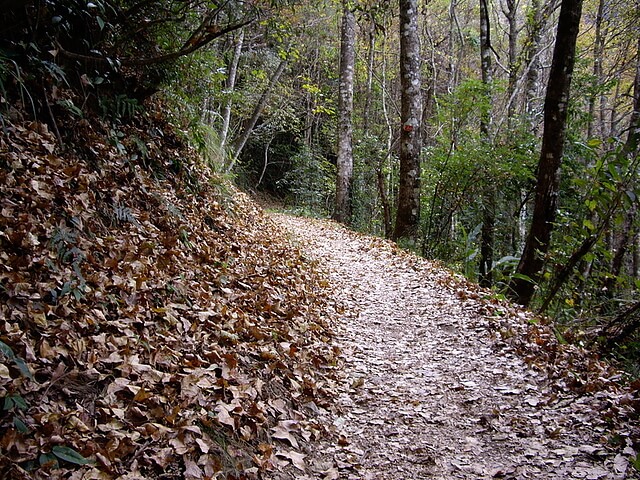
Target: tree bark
230 87
522 285
512 18
489 195
370 71
598 51
538 20
408 212
342 211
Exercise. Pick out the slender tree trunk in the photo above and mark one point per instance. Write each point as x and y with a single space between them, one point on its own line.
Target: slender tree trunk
454 57
383 186
230 87
384 200
532 57
257 112
512 18
531 264
623 237
342 211
598 51
370 70
633 138
489 195
265 164
408 213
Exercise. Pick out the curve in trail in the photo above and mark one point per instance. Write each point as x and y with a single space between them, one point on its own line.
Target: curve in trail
428 391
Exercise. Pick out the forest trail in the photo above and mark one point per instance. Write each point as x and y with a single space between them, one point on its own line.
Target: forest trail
431 388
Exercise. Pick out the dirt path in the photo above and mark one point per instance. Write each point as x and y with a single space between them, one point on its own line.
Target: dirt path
431 390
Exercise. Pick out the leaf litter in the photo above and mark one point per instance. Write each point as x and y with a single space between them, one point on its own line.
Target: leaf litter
151 325
441 380
156 324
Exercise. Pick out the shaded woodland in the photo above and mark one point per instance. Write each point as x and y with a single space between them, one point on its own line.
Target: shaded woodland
305 102
139 289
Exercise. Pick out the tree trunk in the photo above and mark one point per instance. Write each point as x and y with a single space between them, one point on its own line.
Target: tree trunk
633 138
623 235
257 112
512 18
342 211
383 186
408 212
531 264
454 32
598 52
537 23
489 195
384 200
370 71
230 87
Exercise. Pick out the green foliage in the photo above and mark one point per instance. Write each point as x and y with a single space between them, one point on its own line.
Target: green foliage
69 455
11 77
119 108
7 351
460 167
65 244
596 202
310 182
369 155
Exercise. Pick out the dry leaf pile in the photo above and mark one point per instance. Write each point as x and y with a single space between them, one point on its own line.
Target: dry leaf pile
145 330
156 324
443 381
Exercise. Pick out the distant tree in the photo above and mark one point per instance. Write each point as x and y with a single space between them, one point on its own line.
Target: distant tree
408 213
240 142
343 210
522 286
230 87
489 195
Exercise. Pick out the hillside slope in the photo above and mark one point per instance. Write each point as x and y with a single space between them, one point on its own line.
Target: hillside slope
146 329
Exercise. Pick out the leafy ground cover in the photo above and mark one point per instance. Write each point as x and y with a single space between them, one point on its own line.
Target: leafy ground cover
441 380
146 329
155 323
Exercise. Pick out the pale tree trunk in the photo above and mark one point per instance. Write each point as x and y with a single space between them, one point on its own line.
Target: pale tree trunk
510 10
370 70
230 87
538 20
532 58
489 195
342 211
241 141
408 212
522 285
311 101
382 184
598 52
511 13
454 32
